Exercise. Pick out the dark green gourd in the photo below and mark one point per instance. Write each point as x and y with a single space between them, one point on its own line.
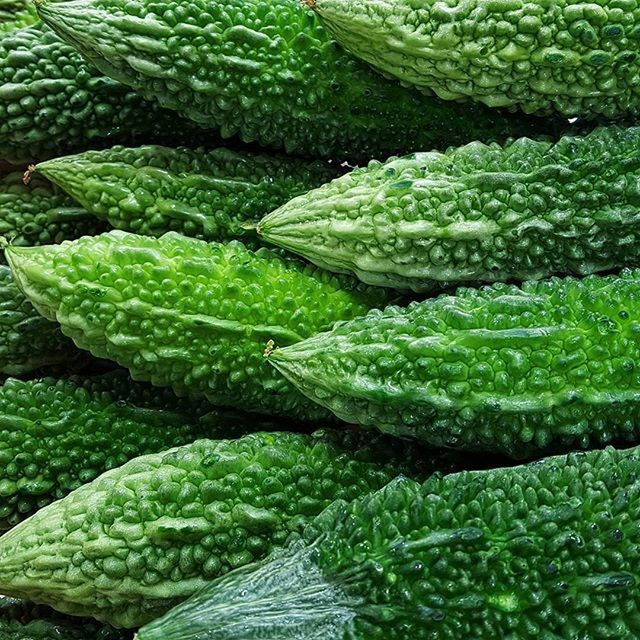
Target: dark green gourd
190 314
53 102
475 213
56 435
41 213
269 73
501 368
213 195
544 551
21 620
27 340
144 536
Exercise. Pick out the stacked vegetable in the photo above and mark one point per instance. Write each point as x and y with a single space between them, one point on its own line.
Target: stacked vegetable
264 379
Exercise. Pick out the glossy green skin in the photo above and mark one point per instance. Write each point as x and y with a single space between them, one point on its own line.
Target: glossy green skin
189 314
27 340
23 621
568 57
268 72
542 552
475 213
142 537
15 14
40 213
56 435
52 102
501 368
213 195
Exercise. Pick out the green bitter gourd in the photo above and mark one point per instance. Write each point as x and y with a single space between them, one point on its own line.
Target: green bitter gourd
41 213
57 434
27 340
573 58
544 551
142 537
475 213
53 102
24 621
207 194
269 73
501 368
189 314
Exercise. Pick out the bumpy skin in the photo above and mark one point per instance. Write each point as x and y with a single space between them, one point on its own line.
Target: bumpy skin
268 72
140 538
500 368
569 57
15 14
41 213
53 102
56 435
187 313
475 213
27 340
212 195
23 621
545 551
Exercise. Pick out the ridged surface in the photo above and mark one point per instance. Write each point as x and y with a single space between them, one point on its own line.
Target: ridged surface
15 14
56 435
570 57
140 538
475 213
545 551
52 102
268 72
23 621
207 194
500 368
189 314
27 340
41 213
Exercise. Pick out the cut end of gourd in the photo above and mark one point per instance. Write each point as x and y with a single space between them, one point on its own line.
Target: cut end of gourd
31 169
269 349
309 3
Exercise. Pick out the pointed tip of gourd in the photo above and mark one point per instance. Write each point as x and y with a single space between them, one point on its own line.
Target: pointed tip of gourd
311 4
269 349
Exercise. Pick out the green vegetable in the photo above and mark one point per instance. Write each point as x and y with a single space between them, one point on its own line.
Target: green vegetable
56 435
23 621
27 340
40 213
500 368
15 14
189 314
142 537
567 57
546 551
269 73
475 213
207 194
52 102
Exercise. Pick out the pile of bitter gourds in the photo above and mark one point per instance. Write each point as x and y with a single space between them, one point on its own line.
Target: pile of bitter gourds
319 320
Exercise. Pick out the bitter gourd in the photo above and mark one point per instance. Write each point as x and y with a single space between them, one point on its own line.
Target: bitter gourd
56 435
207 194
189 314
549 551
52 102
27 340
499 368
568 57
23 621
41 213
475 213
142 537
15 14
268 72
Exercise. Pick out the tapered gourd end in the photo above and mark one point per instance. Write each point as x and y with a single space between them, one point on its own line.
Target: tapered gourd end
285 597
